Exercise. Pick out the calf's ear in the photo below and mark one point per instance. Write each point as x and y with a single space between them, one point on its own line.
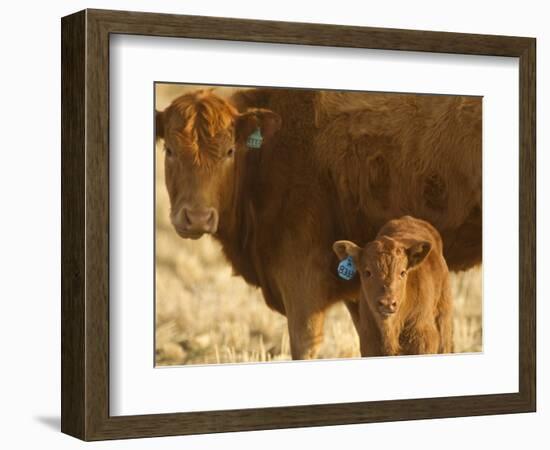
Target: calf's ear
256 128
417 252
159 125
343 249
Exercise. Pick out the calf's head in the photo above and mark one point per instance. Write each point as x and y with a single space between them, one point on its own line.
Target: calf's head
205 139
383 266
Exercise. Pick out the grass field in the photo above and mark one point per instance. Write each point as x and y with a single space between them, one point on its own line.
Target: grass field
206 315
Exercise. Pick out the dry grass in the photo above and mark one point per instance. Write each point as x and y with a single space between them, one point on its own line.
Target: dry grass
206 315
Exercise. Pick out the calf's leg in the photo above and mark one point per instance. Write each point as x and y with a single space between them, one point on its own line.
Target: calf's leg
390 344
425 339
370 339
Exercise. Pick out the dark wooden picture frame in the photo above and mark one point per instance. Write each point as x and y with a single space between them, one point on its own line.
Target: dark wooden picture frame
85 224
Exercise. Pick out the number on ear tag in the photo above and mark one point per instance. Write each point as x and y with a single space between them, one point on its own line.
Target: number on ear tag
255 139
346 268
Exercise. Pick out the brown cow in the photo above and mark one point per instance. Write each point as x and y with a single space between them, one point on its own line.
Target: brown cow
405 305
338 165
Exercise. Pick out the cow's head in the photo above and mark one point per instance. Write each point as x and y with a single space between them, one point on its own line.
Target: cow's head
205 139
383 266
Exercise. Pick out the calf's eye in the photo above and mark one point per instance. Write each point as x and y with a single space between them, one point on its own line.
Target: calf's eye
168 151
230 152
367 273
403 273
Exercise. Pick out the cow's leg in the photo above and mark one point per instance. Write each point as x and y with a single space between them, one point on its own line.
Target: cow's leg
301 275
353 308
305 328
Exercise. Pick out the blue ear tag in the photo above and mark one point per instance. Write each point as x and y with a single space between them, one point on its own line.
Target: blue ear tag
346 268
255 139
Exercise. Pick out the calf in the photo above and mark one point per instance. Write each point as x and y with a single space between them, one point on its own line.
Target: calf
405 305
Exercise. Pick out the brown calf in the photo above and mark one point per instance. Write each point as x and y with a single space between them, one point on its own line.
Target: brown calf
405 302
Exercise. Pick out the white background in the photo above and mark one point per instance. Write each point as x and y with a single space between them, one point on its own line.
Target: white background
136 387
30 236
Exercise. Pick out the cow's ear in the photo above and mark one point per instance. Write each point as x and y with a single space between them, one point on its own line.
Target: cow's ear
417 252
343 249
159 125
256 128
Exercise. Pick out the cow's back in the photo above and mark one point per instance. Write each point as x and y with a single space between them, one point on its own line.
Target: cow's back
394 154
371 157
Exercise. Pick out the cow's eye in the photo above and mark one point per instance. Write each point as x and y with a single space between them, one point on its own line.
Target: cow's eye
168 151
230 152
403 273
367 273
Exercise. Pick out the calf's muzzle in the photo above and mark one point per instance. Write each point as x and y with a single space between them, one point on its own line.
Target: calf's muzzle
387 306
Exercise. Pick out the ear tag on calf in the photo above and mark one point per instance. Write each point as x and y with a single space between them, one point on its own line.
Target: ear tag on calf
255 139
346 268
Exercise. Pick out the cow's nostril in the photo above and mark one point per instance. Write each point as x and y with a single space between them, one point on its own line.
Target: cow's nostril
213 220
186 217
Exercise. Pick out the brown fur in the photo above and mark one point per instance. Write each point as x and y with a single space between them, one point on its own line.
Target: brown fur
391 155
334 169
405 303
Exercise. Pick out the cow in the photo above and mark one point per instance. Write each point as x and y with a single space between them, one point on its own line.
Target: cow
278 175
405 304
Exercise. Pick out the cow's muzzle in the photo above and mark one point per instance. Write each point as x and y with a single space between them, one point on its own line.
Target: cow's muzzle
194 222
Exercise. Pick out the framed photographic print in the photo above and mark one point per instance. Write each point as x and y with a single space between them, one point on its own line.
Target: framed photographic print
271 224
